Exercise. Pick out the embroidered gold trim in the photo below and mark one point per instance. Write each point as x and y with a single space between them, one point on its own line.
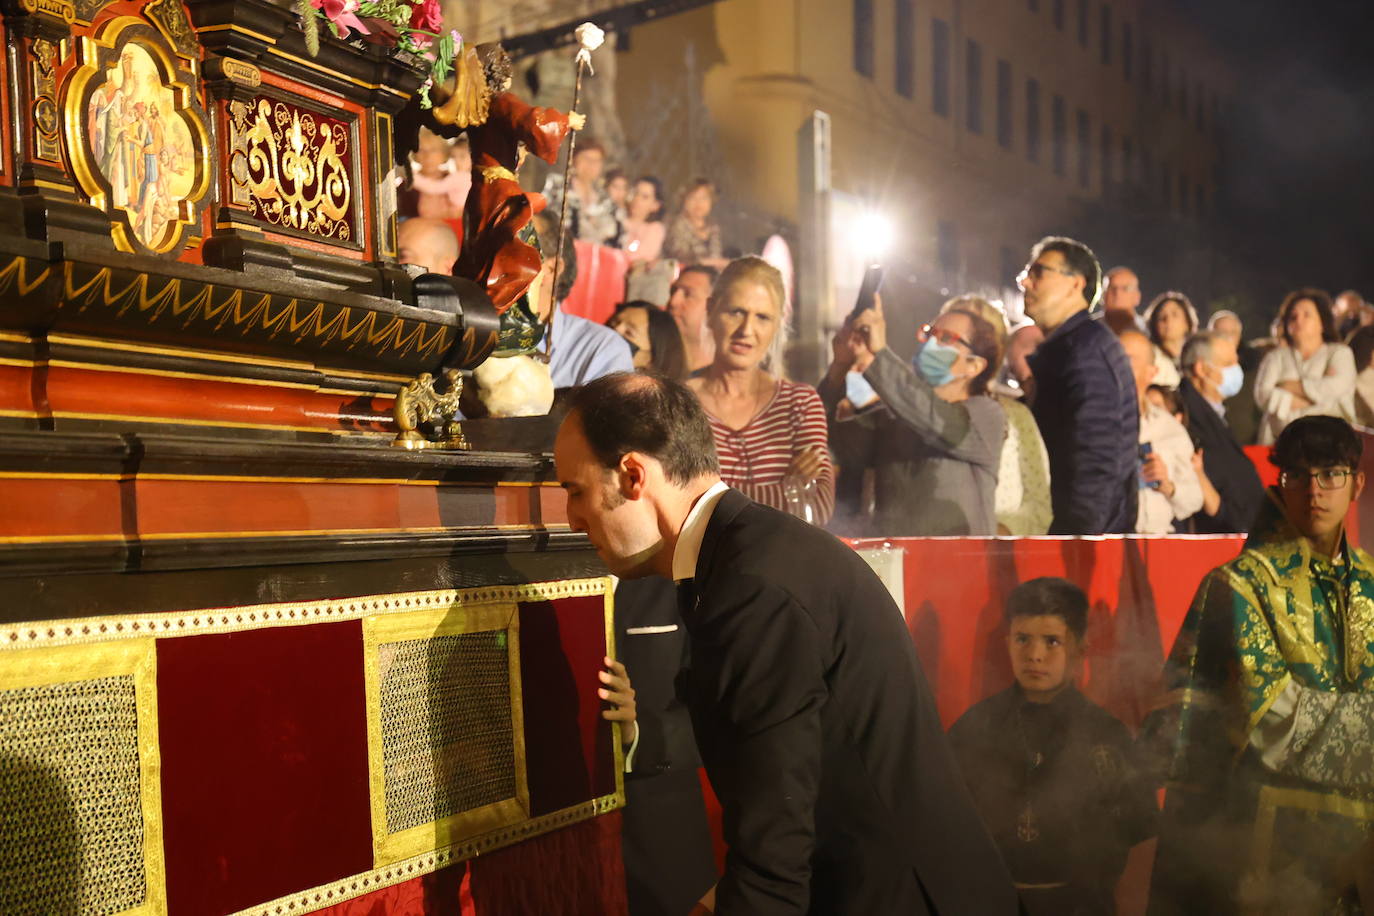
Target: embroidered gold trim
456 619
43 667
81 630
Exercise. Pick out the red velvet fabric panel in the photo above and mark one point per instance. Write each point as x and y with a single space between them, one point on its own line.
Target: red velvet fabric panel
568 750
575 871
264 764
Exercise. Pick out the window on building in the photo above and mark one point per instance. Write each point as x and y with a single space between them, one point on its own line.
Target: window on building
1058 14
1004 128
1085 149
1083 23
906 47
1060 126
1127 51
1033 120
1106 35
1127 160
973 86
863 36
1106 152
939 67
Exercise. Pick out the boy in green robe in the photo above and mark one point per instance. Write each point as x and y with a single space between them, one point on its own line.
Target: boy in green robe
1051 773
1268 731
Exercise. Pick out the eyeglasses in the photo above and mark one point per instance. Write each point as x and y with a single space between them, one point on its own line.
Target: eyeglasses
945 337
1327 478
1037 270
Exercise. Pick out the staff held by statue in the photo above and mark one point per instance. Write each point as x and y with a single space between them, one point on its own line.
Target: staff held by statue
589 38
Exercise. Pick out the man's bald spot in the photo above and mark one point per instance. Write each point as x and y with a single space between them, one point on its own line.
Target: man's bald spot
430 243
1134 338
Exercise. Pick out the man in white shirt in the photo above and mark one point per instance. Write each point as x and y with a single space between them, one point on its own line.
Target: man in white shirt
578 350
1170 488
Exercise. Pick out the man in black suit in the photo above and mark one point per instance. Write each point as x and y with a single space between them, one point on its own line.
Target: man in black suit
812 715
1085 399
1211 375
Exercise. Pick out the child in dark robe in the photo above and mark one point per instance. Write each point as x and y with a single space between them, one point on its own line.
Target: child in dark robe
1051 772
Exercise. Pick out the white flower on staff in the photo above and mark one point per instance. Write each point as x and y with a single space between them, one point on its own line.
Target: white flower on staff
590 38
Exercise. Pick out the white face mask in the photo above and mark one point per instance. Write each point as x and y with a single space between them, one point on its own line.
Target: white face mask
1232 378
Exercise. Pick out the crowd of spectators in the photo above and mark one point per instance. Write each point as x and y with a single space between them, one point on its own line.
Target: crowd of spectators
1086 416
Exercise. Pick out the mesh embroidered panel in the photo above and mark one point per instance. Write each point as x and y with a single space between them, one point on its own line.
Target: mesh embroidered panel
447 742
71 828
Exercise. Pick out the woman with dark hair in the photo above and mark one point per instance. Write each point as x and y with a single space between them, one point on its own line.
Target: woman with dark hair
650 277
1311 373
1171 319
935 436
693 235
653 337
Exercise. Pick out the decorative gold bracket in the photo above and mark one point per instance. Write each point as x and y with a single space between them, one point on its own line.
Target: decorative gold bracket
419 404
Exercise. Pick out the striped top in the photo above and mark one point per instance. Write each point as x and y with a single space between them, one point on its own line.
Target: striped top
755 459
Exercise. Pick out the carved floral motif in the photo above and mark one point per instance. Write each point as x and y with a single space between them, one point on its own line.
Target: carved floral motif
291 167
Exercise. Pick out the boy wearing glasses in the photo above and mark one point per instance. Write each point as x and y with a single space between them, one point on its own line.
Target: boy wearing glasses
1052 773
1269 731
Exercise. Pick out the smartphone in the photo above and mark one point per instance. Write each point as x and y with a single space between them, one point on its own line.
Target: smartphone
1145 451
873 283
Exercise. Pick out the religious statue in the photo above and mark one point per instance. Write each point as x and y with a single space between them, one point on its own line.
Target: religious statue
501 128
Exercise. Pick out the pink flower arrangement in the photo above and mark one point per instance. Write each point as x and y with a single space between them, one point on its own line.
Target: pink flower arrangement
342 14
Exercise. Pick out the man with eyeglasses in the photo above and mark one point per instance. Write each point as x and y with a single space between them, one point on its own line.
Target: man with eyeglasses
1270 728
1085 400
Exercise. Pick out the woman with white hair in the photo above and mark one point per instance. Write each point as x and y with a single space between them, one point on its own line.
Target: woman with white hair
770 433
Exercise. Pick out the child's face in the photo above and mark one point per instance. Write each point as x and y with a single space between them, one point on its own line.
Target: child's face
1044 655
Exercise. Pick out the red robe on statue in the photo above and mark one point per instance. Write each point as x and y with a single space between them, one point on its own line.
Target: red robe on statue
497 207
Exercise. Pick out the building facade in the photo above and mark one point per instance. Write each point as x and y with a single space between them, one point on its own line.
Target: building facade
972 127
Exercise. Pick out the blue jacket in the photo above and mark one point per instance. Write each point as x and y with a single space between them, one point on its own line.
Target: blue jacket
1089 416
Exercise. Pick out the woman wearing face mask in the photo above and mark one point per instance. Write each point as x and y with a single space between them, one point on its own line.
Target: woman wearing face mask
936 436
1311 373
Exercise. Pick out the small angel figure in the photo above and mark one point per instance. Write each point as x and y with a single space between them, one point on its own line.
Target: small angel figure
501 129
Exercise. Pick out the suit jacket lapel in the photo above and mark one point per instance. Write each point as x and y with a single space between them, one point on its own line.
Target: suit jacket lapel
732 502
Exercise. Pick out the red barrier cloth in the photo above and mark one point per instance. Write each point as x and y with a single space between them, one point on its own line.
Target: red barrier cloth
264 764
600 284
1139 589
568 752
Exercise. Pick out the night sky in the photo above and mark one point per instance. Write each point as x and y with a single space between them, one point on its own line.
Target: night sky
1299 181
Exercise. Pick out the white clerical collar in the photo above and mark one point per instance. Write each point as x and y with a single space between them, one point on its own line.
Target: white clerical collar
694 531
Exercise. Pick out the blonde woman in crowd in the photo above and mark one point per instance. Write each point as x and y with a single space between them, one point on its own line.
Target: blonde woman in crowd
770 433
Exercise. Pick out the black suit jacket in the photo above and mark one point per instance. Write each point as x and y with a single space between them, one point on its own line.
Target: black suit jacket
1231 472
819 732
665 837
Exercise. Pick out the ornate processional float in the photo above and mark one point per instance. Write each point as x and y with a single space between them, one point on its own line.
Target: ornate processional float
253 657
